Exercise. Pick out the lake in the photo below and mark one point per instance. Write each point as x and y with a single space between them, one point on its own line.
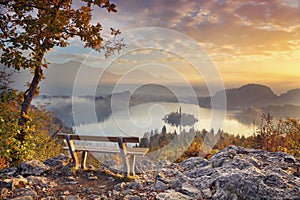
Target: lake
142 118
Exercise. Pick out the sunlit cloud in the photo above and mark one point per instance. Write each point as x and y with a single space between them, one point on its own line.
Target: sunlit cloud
245 39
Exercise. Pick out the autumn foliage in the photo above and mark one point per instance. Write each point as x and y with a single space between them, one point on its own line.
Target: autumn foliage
40 126
281 135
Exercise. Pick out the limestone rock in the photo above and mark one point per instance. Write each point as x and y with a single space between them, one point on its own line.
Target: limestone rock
135 185
119 187
16 182
21 192
132 197
239 173
8 172
58 161
73 197
159 185
172 194
232 173
33 167
190 191
41 182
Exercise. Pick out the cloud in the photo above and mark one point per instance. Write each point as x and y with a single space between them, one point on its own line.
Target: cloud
254 35
252 27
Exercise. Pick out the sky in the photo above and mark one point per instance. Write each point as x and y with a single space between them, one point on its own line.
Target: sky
255 41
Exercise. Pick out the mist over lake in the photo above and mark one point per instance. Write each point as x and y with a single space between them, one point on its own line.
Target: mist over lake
149 116
134 114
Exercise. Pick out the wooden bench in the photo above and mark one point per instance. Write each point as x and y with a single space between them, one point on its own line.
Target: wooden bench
128 154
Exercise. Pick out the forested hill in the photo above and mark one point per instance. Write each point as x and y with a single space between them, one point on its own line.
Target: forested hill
253 95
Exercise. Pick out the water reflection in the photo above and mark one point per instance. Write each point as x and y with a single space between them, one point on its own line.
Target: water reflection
146 117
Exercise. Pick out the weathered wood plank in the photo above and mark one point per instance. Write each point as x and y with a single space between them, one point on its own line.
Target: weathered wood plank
130 151
98 138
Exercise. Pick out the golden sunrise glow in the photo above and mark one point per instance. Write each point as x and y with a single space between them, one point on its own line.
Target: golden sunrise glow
248 41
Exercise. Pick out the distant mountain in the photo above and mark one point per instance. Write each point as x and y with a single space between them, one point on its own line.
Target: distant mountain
290 97
253 95
60 78
248 95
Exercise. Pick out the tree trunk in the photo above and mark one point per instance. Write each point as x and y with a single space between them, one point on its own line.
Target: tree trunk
28 97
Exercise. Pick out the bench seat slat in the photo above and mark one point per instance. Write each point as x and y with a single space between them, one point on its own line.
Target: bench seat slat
130 151
99 138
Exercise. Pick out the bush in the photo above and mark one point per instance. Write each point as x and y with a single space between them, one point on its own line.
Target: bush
38 143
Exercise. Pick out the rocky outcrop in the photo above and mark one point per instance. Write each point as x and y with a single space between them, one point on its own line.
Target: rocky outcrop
236 173
233 173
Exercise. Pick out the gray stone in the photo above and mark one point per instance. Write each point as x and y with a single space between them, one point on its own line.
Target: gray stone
8 184
152 194
128 191
25 192
191 191
134 185
119 186
171 195
207 193
149 182
94 197
41 182
159 185
13 183
194 162
58 161
8 172
66 170
274 180
176 184
73 197
33 167
132 197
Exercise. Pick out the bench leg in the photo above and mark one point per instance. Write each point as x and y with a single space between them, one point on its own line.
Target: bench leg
132 165
123 152
72 152
83 160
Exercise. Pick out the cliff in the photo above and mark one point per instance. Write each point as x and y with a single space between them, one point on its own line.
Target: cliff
232 173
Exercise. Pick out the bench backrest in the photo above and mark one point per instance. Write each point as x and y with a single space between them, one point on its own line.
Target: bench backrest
98 138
